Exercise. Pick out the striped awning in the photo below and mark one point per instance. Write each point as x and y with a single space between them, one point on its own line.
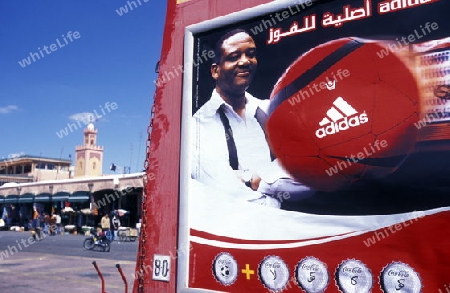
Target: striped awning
60 196
42 197
26 198
79 196
12 198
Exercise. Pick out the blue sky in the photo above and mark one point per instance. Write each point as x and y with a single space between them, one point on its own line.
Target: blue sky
111 59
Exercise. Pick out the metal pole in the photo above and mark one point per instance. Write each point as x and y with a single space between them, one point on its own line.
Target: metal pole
100 275
123 277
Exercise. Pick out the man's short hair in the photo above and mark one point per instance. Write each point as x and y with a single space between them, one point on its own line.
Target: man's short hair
218 48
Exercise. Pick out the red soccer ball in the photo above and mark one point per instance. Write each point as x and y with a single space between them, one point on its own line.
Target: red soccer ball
343 112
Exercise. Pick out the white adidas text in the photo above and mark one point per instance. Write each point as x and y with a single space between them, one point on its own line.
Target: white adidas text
338 121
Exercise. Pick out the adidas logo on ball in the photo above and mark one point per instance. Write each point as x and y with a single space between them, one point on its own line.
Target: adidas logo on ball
343 116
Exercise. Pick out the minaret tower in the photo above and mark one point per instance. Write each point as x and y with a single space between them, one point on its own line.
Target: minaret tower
89 156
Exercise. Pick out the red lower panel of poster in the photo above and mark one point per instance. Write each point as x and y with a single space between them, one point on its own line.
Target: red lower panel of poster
413 256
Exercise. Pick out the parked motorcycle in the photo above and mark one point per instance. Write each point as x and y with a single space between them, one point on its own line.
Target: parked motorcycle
97 241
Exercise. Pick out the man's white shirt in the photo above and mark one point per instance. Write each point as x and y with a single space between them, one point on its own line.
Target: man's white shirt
210 161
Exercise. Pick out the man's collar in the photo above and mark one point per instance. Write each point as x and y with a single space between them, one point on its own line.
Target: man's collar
251 103
216 101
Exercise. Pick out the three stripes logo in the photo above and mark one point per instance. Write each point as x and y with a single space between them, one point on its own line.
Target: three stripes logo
341 116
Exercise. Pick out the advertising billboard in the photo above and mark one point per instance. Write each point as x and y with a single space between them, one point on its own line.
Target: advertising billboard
315 149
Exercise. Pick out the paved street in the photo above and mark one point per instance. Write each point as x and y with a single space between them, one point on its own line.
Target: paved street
61 264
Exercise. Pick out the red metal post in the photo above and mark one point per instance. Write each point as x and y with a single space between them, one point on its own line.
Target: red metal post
123 277
100 275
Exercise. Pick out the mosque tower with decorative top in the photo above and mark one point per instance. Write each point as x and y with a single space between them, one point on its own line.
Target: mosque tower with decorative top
89 156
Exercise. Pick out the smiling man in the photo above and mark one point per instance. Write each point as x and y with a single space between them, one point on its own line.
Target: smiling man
234 68
230 152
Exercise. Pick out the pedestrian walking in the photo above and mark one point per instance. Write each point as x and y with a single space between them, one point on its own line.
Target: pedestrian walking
116 225
36 224
58 224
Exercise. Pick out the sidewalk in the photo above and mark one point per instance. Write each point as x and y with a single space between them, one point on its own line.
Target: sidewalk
61 264
31 272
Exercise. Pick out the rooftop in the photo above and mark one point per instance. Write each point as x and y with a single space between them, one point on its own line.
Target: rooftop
32 158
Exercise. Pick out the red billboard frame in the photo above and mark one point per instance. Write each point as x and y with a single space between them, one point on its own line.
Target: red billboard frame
167 220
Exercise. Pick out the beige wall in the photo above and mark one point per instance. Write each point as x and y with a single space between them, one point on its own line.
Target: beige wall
97 171
42 174
86 169
80 167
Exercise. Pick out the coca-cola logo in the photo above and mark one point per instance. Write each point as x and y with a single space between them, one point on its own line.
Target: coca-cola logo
275 265
310 267
396 273
353 270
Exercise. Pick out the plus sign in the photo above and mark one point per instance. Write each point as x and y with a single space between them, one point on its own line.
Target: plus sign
248 271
